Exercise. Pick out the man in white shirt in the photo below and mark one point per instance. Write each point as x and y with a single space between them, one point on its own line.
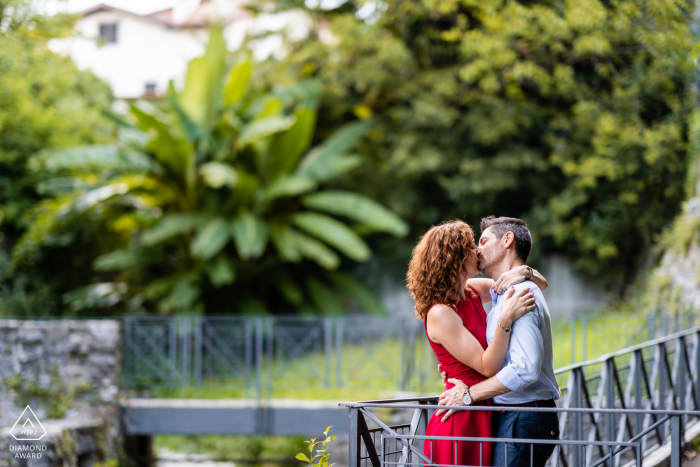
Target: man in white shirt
527 377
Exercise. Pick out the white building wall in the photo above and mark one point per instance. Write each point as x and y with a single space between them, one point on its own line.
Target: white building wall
145 52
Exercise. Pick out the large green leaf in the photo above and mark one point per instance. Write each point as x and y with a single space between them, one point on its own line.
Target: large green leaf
292 245
171 225
287 185
324 299
100 157
183 296
358 292
263 128
218 174
210 240
237 81
306 93
250 235
203 83
220 271
334 233
330 167
168 149
359 208
288 147
190 127
121 259
329 158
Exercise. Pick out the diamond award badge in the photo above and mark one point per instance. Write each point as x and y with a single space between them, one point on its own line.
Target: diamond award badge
28 427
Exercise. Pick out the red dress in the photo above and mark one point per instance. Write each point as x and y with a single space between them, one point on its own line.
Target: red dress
462 423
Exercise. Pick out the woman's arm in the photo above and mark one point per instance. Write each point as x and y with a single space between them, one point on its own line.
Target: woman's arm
445 327
481 286
517 275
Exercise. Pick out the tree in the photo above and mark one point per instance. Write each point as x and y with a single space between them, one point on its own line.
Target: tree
45 101
570 114
225 207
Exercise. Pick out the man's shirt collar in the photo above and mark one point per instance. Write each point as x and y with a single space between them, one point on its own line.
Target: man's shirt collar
494 295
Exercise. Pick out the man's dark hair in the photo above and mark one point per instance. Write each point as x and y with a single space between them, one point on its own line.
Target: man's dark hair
501 225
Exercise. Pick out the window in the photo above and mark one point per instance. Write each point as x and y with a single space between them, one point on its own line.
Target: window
150 90
108 32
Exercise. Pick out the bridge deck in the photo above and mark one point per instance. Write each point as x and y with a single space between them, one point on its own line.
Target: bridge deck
232 417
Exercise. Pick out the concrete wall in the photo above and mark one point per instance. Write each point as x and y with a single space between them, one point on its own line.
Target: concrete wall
69 373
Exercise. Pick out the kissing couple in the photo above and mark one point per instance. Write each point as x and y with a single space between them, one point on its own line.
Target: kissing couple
500 359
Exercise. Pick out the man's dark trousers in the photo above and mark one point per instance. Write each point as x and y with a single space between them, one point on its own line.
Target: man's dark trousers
527 425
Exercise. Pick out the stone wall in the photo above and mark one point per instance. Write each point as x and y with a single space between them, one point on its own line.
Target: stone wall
675 283
69 373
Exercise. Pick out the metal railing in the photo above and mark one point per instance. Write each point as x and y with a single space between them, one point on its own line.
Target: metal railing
256 354
615 410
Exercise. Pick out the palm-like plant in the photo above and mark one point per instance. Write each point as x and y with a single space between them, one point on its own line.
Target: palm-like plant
221 200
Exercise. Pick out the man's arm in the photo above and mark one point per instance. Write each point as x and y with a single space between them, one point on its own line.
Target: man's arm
524 365
484 390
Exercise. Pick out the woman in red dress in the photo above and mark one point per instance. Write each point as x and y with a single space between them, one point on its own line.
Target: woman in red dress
449 302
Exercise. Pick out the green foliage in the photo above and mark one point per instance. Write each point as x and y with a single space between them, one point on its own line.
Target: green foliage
248 447
45 102
320 459
572 114
222 203
57 398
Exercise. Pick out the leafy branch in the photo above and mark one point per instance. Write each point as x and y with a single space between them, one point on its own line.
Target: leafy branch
321 454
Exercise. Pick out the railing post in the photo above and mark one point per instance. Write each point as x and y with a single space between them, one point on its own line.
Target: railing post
258 357
638 362
270 355
354 452
327 348
696 354
584 338
610 404
402 354
340 322
172 350
572 329
198 324
680 382
577 417
676 441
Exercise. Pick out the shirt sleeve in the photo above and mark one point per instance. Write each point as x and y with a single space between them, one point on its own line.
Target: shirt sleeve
525 353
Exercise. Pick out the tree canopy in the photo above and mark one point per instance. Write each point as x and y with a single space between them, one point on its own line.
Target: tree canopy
570 114
45 101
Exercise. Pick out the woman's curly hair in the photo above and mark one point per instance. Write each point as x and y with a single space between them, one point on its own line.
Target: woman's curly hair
437 262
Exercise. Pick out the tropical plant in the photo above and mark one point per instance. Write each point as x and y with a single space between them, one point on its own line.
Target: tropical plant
225 207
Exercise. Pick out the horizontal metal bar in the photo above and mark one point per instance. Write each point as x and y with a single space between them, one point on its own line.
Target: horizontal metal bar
513 440
628 350
415 399
692 413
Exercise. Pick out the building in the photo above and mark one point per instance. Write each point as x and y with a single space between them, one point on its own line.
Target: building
138 54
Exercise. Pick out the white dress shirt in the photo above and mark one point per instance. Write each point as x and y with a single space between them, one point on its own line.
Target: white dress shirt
529 369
